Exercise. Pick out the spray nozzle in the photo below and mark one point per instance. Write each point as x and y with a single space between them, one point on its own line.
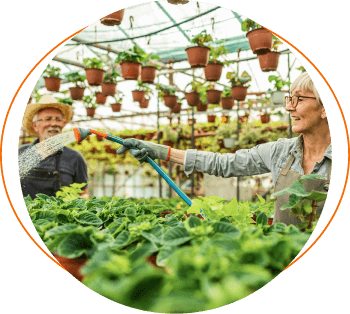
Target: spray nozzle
81 134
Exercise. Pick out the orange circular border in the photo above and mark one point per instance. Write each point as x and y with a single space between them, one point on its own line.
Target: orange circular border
3 130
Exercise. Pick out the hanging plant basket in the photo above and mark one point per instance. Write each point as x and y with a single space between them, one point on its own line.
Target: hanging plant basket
149 136
192 98
144 103
90 112
72 265
52 84
116 107
170 100
260 40
198 56
176 108
100 98
148 74
213 96
265 118
114 18
202 107
211 119
239 92
138 95
213 71
277 97
244 119
130 70
227 103
94 76
76 93
269 61
108 89
168 143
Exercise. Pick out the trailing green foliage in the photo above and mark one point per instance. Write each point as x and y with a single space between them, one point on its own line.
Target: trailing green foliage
52 71
93 63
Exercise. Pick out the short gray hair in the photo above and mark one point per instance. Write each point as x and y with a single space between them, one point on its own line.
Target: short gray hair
305 83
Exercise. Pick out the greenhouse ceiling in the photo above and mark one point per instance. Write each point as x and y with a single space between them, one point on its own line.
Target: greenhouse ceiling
164 29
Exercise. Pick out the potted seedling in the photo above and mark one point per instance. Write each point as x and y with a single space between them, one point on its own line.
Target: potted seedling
130 62
198 56
167 94
277 95
269 61
117 103
142 94
76 92
260 39
227 101
169 136
149 70
94 71
110 82
239 84
52 78
90 105
214 68
213 95
227 132
114 18
193 96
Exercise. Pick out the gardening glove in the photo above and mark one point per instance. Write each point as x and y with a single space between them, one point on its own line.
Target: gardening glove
155 151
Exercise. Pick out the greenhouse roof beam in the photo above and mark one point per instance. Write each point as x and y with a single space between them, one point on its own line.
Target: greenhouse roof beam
238 17
173 21
66 61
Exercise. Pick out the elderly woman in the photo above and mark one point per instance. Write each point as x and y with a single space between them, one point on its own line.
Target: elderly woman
286 159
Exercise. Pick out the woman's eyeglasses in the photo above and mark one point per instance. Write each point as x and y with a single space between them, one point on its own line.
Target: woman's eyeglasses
294 100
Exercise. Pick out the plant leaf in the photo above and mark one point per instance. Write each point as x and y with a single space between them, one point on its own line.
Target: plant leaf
176 236
88 219
228 229
74 246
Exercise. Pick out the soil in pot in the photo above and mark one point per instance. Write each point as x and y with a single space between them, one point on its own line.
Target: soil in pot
94 76
108 89
144 103
148 74
130 70
192 98
198 56
170 100
227 103
213 96
76 93
52 84
114 18
72 265
138 95
260 40
116 107
211 119
90 112
100 98
239 92
269 61
202 107
213 71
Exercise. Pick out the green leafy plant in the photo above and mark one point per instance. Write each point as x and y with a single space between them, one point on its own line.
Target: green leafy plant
165 91
118 97
217 52
52 71
68 193
201 38
145 88
169 134
248 25
303 204
67 101
149 58
275 43
227 130
135 54
302 69
278 82
111 76
76 78
89 102
93 63
236 80
195 86
227 92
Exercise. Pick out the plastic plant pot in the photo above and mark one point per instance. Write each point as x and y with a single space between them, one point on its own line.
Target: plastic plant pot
108 89
198 56
94 76
52 84
114 18
76 93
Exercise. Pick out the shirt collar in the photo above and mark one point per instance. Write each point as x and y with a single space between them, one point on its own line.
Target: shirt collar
298 149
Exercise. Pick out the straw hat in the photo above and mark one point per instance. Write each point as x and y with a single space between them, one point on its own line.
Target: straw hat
46 101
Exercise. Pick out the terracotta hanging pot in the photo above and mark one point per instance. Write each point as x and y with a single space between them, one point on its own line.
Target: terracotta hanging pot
108 89
148 74
138 95
190 121
116 107
114 18
211 119
72 265
227 103
170 100
265 118
244 119
260 40
239 92
198 56
144 103
213 71
140 137
176 108
94 76
192 98
202 107
52 84
130 70
168 143
76 93
221 143
90 112
213 96
100 98
269 61
149 136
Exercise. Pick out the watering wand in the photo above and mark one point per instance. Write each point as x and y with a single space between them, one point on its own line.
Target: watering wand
81 134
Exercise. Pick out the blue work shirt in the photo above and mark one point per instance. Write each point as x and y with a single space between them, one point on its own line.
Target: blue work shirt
72 168
263 158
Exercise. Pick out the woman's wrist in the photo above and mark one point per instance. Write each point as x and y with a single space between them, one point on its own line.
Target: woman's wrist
177 156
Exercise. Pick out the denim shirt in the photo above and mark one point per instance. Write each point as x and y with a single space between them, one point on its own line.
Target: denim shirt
264 158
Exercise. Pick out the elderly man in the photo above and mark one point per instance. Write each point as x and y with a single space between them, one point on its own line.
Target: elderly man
46 119
286 159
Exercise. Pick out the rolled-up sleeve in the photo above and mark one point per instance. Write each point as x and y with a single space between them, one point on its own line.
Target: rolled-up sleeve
244 162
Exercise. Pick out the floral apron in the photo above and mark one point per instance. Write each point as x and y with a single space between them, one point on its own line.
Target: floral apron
285 179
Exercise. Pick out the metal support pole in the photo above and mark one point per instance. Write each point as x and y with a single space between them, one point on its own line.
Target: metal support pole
289 117
192 146
158 140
